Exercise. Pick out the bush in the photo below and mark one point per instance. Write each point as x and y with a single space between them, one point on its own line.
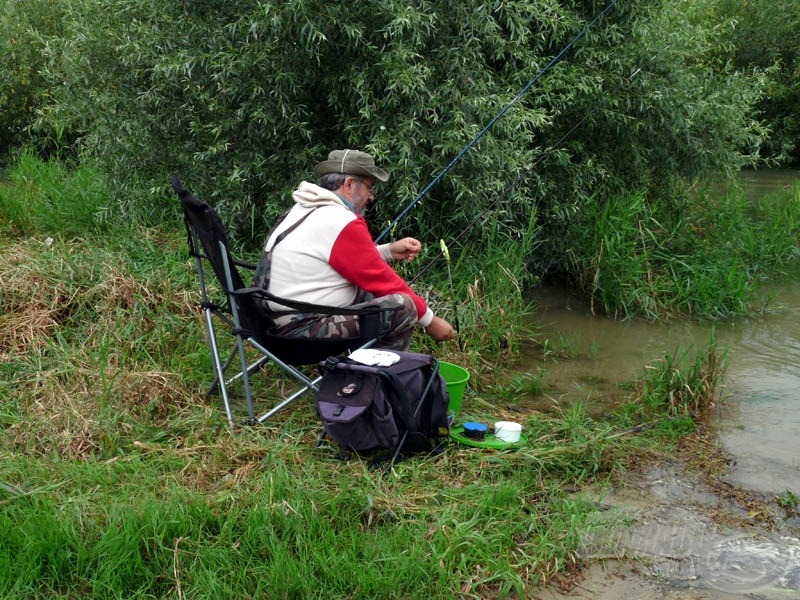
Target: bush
767 38
243 99
669 113
23 88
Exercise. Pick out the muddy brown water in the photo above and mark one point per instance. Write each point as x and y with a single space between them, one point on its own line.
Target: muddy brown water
590 359
679 551
593 359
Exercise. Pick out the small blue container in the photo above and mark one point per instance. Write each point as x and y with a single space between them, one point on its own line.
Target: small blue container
475 431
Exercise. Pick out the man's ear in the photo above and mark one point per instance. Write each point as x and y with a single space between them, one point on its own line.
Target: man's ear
349 184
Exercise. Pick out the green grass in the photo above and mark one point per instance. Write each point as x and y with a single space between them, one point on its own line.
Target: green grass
709 262
55 199
119 479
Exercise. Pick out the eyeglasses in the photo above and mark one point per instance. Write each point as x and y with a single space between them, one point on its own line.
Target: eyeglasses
370 186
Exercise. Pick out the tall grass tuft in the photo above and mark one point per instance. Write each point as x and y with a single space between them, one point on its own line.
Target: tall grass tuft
54 198
631 260
681 389
487 301
684 386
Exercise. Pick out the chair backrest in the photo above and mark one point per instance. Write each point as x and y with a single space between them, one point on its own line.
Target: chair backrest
204 226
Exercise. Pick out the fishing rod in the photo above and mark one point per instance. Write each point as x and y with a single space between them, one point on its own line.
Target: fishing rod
507 190
504 193
556 59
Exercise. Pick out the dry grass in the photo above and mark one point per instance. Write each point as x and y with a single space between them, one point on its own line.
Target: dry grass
66 324
30 304
40 291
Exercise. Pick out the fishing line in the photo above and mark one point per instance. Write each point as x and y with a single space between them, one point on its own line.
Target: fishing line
502 195
491 123
509 188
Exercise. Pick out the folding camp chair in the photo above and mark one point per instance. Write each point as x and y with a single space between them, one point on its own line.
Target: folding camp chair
242 310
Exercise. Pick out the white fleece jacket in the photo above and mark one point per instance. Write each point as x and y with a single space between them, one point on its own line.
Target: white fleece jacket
331 255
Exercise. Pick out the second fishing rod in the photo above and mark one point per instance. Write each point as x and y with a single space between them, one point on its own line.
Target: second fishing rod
555 60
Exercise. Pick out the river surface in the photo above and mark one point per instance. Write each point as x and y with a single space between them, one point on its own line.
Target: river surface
758 421
590 359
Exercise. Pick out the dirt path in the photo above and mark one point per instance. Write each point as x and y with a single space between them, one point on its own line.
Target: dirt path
677 535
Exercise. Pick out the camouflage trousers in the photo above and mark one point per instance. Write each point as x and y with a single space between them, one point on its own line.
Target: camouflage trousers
398 325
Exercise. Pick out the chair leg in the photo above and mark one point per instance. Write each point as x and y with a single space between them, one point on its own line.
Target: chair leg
307 383
245 376
310 385
213 389
218 370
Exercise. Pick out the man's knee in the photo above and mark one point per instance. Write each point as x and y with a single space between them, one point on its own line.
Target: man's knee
403 310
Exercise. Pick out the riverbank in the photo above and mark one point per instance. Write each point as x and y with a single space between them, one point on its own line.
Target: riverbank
591 359
717 518
679 531
118 477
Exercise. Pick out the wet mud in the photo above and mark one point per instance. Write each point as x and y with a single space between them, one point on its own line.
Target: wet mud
668 534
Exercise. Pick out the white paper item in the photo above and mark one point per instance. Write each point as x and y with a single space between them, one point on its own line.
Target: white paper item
374 358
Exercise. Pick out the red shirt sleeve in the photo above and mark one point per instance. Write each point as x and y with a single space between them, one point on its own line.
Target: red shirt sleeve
355 257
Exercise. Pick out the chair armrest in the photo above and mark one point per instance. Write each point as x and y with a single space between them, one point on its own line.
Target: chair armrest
243 263
296 306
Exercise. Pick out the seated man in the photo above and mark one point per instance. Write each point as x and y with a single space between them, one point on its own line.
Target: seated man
322 253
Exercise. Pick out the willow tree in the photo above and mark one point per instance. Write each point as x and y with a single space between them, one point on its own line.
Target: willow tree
242 98
766 37
23 88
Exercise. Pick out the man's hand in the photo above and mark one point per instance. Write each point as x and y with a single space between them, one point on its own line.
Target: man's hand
405 249
440 330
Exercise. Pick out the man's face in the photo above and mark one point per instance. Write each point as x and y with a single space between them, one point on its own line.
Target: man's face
360 192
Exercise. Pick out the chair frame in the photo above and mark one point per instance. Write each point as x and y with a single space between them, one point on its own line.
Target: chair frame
249 324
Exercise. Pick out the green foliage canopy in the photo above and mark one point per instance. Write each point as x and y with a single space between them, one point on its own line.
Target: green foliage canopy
242 99
23 88
767 38
245 99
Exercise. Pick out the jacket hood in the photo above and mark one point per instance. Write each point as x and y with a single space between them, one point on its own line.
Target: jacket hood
311 195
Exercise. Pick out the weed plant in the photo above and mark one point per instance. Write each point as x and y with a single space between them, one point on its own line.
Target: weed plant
484 297
708 262
54 198
118 478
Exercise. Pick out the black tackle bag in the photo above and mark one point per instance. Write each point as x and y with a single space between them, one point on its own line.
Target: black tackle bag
401 407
